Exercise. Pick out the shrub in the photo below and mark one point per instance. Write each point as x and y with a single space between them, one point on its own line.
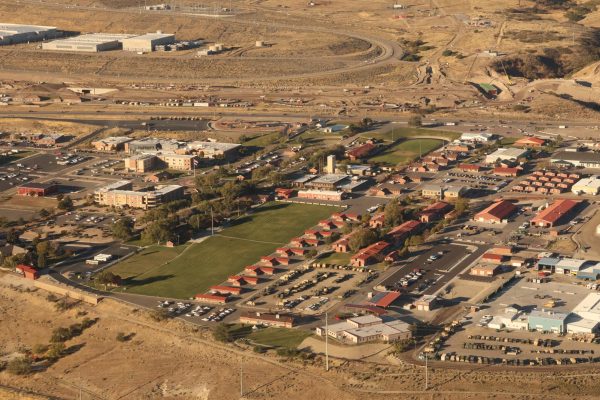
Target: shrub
40 349
60 335
159 315
19 366
223 334
55 351
259 349
121 337
288 352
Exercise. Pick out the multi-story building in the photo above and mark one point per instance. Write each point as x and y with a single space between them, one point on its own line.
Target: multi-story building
227 151
180 162
120 194
140 163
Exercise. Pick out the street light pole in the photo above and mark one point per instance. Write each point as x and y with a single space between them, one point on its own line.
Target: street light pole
326 342
426 375
241 380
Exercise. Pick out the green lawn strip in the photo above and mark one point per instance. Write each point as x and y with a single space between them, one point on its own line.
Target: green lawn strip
262 140
335 258
279 337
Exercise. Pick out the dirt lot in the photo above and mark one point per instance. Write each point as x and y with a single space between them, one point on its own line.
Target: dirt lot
18 125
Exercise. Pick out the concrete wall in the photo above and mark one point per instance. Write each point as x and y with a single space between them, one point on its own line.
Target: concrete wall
67 291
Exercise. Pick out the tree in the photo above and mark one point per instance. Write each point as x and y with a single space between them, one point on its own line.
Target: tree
65 204
393 213
44 213
415 121
276 178
123 228
415 240
354 129
362 237
12 236
42 261
199 221
108 278
159 231
461 205
366 122
261 172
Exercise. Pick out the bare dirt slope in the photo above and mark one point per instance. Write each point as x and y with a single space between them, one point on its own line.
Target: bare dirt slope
172 361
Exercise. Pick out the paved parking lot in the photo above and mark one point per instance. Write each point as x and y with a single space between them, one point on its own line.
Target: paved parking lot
435 273
45 162
314 290
78 266
85 219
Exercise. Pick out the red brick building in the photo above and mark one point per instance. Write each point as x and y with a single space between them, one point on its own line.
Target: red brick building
371 254
497 212
27 271
36 189
557 213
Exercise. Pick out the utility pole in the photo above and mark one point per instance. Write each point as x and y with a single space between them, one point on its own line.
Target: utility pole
426 375
326 342
241 380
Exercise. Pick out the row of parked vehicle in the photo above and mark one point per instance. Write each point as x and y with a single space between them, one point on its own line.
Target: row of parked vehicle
173 308
411 278
218 315
198 311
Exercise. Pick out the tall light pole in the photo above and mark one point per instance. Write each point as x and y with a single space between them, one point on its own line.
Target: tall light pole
241 379
426 375
326 342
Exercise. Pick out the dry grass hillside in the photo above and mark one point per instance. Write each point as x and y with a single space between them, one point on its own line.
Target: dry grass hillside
173 361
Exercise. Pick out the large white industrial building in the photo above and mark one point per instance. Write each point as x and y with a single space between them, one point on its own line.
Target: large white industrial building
91 43
148 42
95 42
16 33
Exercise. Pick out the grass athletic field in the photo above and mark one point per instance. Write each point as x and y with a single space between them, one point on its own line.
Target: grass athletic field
184 271
411 133
406 151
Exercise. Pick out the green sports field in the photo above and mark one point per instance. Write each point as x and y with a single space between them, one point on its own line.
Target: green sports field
406 151
184 271
411 133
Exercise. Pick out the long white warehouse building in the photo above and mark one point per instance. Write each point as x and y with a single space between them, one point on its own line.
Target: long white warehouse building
16 33
91 43
147 43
